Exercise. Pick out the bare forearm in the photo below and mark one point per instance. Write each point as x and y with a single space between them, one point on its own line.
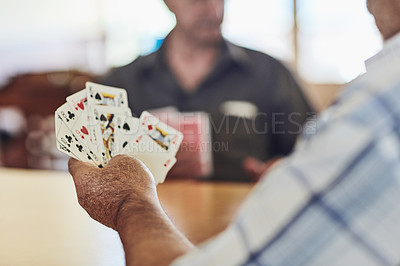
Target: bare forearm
149 237
123 196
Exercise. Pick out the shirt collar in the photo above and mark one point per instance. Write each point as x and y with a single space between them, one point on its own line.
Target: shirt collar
237 54
390 52
228 52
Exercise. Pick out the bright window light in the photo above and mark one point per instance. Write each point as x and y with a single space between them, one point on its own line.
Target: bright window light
335 38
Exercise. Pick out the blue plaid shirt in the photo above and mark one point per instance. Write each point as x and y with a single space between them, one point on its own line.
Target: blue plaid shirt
336 199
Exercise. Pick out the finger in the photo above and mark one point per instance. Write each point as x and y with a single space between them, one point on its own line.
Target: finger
75 167
253 166
125 159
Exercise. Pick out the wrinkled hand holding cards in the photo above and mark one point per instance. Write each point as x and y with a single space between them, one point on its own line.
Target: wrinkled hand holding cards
96 124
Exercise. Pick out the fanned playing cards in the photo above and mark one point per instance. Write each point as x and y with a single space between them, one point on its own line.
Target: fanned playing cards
96 124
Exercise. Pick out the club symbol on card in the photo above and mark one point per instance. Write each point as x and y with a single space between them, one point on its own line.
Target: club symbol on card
71 115
79 147
65 148
69 138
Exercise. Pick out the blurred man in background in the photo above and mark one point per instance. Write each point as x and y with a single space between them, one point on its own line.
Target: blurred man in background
255 106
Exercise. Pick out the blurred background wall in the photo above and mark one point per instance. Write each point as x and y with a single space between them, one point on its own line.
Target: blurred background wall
48 49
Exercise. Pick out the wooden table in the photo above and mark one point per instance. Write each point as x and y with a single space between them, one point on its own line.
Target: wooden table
41 222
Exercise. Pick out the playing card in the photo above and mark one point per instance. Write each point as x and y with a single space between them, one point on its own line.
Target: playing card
78 100
60 146
67 115
107 96
69 143
164 136
104 120
96 124
158 164
77 123
126 128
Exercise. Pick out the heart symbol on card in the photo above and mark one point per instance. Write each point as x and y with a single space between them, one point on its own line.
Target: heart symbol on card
167 163
81 105
84 130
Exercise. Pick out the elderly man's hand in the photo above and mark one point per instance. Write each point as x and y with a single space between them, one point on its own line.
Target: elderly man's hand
105 193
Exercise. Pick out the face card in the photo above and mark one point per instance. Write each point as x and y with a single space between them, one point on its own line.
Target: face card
168 138
159 164
104 119
143 143
106 96
96 124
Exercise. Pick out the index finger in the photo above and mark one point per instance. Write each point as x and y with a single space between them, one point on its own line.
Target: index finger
75 167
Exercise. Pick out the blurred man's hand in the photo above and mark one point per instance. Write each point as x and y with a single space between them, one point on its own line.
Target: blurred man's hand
256 168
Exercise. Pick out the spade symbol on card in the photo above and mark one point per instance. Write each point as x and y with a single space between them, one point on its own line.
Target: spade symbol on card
97 97
125 144
126 127
103 118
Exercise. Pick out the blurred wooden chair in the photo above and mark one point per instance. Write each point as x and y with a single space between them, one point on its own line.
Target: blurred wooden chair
36 96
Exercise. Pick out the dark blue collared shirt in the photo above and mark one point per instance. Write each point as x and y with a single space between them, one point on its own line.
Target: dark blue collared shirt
240 75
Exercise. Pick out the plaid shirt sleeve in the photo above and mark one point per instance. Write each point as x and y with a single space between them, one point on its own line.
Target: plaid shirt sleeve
335 200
